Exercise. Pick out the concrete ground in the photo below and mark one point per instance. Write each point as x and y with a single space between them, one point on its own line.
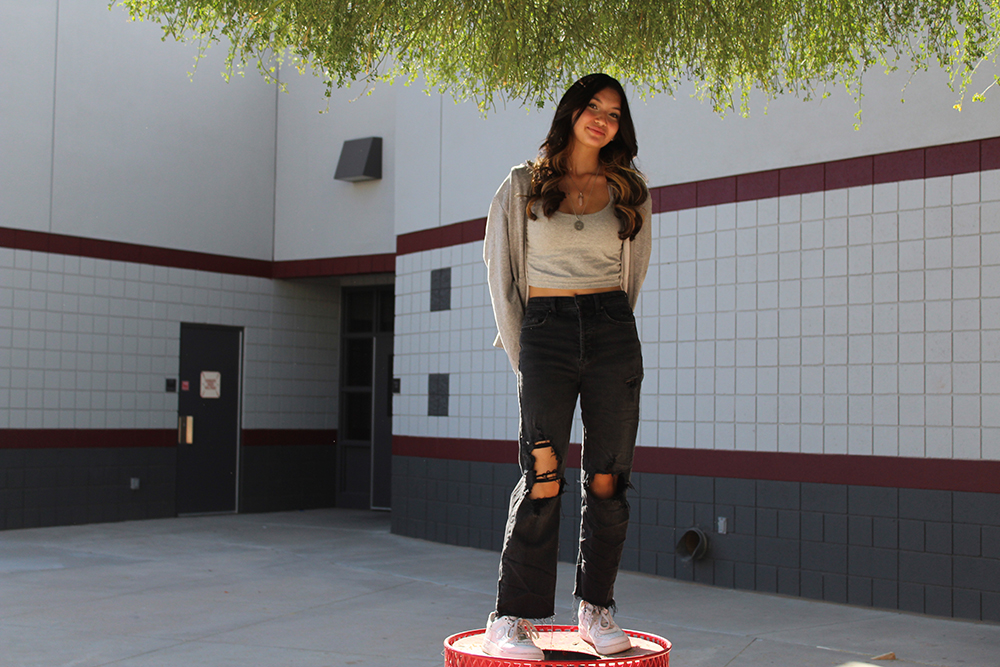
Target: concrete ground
334 587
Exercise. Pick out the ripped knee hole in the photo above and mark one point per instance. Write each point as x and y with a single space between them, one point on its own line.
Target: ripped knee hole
546 480
606 485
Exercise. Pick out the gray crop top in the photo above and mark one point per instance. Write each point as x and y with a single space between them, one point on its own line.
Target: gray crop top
563 254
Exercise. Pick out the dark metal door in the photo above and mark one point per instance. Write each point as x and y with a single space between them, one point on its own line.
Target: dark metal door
208 424
364 440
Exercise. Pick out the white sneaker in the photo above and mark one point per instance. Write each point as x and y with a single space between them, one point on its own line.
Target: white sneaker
597 628
511 637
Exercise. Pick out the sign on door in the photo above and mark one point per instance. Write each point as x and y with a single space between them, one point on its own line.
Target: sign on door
211 384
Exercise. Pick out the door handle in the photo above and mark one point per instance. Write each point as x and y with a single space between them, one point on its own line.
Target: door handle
185 430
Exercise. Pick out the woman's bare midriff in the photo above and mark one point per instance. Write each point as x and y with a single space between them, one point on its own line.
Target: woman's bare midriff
552 291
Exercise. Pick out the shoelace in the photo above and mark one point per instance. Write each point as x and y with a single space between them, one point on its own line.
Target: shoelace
603 614
523 630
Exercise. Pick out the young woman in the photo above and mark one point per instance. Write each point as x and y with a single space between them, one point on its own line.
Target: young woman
567 247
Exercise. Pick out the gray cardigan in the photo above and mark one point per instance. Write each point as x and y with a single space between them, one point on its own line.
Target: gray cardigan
503 252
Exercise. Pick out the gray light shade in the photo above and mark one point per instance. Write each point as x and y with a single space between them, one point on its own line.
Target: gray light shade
360 160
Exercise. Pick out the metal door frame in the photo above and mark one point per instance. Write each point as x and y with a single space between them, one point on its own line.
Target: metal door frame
379 291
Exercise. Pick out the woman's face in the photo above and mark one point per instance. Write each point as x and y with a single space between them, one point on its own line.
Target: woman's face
597 123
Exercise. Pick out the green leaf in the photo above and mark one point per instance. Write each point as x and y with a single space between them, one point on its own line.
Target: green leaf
530 50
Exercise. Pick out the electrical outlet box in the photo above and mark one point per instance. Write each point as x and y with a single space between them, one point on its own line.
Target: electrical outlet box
134 484
720 524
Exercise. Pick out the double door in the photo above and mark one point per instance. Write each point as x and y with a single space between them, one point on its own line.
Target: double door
364 437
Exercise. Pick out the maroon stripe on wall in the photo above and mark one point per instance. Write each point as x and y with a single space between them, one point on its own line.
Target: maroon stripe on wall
455 449
928 162
716 191
989 154
49 438
898 472
60 244
800 180
760 185
899 166
952 159
334 266
848 173
441 237
675 197
946 160
131 252
275 437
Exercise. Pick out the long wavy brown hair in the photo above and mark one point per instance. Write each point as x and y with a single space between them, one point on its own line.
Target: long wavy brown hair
628 186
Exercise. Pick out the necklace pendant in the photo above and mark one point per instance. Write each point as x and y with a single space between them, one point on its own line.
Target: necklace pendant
578 225
579 199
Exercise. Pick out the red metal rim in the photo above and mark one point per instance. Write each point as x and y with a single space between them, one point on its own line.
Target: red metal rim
456 657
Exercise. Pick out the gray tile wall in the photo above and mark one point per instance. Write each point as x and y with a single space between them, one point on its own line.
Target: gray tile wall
278 478
64 486
67 486
933 552
87 343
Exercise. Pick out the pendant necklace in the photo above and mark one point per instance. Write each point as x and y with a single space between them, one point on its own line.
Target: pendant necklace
581 200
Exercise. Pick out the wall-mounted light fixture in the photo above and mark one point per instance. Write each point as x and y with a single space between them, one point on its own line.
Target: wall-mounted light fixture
360 160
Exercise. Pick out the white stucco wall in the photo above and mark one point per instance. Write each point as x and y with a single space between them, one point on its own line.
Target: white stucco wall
315 215
417 194
27 46
113 140
137 151
682 139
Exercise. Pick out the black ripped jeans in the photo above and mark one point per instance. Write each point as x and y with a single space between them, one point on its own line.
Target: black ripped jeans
584 346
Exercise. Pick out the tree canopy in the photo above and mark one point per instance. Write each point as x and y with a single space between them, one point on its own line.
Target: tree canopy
530 50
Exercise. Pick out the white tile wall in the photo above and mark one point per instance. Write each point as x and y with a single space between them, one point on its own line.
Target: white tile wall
458 341
87 343
860 321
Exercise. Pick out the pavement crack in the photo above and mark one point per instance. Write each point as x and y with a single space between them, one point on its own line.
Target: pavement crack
749 644
142 653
